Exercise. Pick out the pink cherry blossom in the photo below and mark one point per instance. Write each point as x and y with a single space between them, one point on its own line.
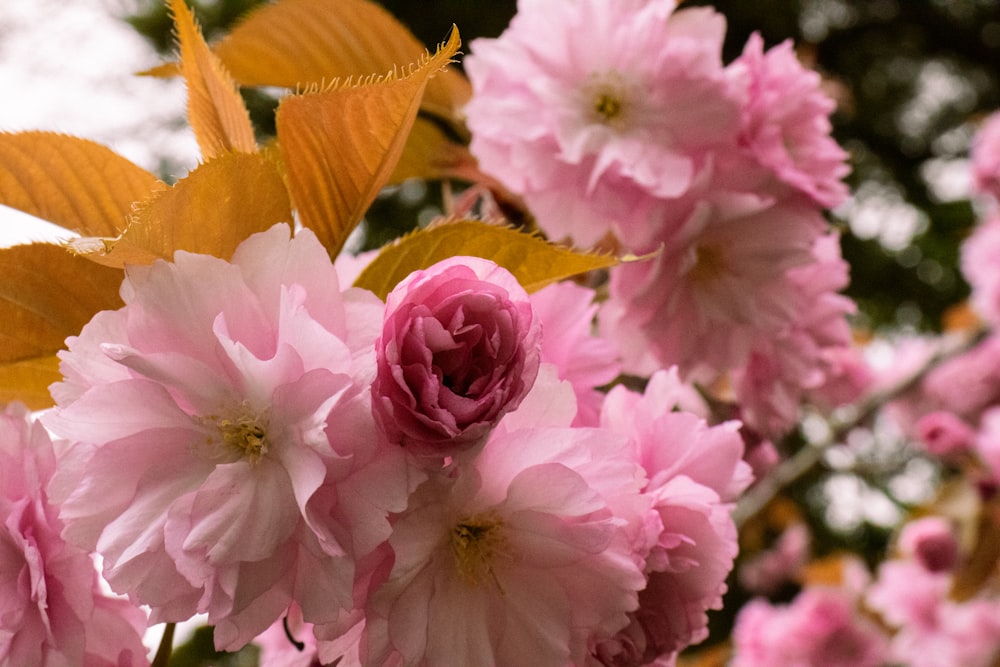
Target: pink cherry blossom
593 110
525 550
459 349
52 611
765 572
566 312
985 156
719 284
222 455
803 357
980 260
931 628
944 434
821 628
289 642
786 124
932 542
976 372
694 472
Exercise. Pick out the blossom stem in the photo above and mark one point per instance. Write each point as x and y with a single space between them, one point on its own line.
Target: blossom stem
796 466
166 646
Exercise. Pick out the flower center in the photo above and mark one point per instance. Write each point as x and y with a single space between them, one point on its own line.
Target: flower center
475 543
710 263
608 106
606 95
244 433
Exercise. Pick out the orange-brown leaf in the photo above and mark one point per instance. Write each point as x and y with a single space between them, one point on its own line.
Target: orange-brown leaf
216 111
534 261
430 154
28 381
77 184
292 43
46 295
210 211
340 145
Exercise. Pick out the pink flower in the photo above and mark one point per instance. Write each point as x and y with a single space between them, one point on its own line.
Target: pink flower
719 284
566 312
802 357
987 441
985 156
766 571
52 612
980 258
944 434
931 628
522 551
223 458
968 384
931 541
821 628
592 111
786 124
694 472
459 349
289 642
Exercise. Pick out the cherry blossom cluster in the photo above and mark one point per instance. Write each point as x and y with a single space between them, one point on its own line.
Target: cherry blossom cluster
429 480
935 601
621 127
910 613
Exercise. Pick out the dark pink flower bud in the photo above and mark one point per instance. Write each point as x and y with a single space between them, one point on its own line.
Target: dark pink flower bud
459 349
931 541
944 434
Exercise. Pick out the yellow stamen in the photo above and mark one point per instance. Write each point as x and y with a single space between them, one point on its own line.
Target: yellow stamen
608 106
244 432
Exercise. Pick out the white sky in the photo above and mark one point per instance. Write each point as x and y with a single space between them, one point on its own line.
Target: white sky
68 66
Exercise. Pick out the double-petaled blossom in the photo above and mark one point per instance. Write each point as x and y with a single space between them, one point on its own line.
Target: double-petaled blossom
223 458
694 472
594 111
459 349
566 312
980 259
785 122
522 553
716 286
822 627
805 356
913 596
985 155
52 611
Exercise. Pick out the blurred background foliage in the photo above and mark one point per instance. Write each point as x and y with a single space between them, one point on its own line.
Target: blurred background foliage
912 79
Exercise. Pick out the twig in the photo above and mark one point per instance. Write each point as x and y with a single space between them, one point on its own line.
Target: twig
166 646
804 460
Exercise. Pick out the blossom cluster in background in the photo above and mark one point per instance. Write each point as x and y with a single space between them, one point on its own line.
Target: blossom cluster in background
442 453
620 125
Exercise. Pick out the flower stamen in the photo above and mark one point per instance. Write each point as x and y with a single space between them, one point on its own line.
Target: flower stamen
243 432
475 543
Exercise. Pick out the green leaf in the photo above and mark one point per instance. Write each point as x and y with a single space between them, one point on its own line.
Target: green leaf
534 261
